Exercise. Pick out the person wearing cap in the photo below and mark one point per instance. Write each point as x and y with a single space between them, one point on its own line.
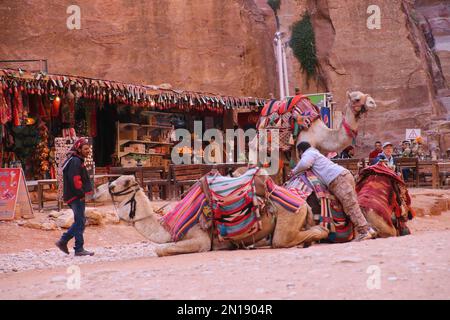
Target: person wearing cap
387 155
406 153
76 186
339 181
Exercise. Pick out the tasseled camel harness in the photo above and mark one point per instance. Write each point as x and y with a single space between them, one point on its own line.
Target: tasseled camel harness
358 113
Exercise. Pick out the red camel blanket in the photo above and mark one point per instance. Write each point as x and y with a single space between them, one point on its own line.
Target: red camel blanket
381 189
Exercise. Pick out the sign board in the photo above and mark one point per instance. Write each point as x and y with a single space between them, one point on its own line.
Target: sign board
412 134
14 197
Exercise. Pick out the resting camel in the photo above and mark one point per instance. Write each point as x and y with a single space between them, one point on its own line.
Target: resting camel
382 195
287 229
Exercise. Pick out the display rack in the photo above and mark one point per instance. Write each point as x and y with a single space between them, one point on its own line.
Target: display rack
145 144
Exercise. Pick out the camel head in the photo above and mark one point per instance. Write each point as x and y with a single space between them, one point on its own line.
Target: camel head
102 193
121 189
360 102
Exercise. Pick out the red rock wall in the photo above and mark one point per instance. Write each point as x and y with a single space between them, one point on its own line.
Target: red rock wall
390 63
206 45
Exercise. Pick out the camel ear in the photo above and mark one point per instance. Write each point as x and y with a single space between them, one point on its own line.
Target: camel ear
348 95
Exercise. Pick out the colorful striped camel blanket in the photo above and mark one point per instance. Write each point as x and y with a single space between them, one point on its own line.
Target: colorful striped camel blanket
289 199
234 205
332 216
290 117
233 208
380 189
186 213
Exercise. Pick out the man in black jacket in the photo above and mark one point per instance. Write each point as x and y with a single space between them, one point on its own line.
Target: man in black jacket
76 186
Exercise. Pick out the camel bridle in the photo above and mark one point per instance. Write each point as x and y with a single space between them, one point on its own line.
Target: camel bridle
363 109
128 190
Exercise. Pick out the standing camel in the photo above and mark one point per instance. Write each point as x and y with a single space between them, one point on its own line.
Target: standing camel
323 138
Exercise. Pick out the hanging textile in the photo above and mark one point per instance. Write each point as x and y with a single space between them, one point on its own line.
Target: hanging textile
17 107
5 110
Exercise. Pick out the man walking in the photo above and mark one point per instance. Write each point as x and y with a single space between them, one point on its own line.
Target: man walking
339 181
76 186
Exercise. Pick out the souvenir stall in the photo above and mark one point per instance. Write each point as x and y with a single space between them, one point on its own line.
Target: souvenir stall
129 125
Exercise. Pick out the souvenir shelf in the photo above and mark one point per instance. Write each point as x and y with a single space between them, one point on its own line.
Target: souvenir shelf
145 144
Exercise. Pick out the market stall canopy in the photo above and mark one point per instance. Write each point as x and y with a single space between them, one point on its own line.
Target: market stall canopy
155 97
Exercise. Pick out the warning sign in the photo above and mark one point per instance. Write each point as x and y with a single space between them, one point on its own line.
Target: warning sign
14 197
412 134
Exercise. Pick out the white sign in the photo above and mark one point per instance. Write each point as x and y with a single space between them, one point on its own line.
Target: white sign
411 134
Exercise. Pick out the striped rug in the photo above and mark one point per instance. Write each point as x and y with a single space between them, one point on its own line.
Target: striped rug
290 199
332 216
185 214
234 205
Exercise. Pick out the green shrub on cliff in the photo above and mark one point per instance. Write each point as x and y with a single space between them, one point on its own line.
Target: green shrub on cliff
304 46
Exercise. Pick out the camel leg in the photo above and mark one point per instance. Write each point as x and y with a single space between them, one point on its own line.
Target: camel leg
384 230
196 240
288 230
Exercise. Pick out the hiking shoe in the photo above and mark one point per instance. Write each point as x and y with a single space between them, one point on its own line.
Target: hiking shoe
62 246
369 234
84 253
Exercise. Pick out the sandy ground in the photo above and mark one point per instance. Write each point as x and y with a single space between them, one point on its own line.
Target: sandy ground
125 267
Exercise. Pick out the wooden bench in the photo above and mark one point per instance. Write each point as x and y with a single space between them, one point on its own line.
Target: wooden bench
157 177
409 163
185 175
352 165
40 191
444 174
427 168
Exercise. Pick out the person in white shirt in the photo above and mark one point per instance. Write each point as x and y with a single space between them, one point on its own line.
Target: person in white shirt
339 181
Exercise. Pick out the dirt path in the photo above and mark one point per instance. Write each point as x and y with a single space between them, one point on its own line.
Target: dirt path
413 267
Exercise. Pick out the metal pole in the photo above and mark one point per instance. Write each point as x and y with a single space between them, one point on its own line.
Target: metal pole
286 81
280 65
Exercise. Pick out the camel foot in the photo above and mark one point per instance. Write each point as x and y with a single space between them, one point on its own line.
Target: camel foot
160 250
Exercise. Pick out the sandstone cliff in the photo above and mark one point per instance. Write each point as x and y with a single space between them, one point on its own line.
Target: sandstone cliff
227 47
394 64
205 45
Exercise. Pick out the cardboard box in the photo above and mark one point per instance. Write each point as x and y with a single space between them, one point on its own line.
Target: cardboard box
128 162
138 147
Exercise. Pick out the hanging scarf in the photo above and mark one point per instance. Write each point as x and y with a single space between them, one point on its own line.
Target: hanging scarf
5 110
18 107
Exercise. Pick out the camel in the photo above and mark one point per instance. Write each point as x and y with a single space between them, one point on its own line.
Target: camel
286 230
323 138
386 187
332 140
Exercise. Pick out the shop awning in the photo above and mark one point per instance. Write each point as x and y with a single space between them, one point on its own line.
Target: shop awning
154 97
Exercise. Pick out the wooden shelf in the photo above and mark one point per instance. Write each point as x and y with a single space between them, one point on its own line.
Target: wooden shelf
122 142
124 125
168 114
123 154
151 130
